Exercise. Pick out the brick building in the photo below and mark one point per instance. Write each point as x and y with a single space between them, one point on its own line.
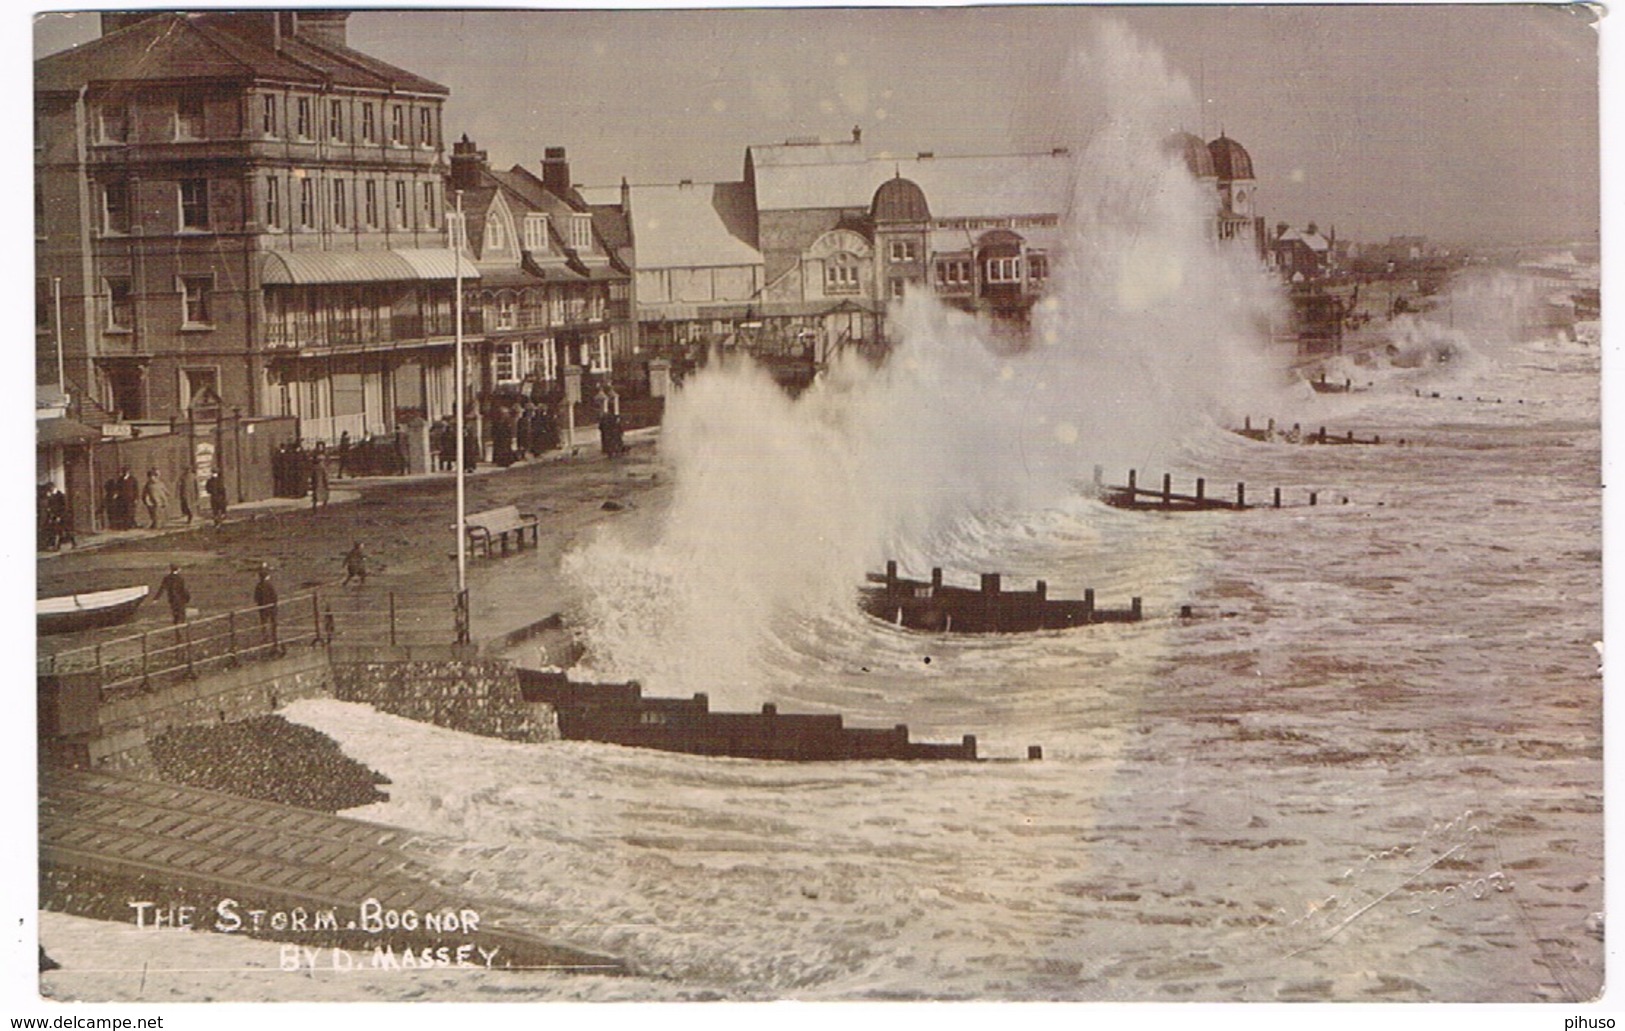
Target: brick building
244 213
554 287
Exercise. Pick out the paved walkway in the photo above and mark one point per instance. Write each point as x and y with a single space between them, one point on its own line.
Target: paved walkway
406 524
107 841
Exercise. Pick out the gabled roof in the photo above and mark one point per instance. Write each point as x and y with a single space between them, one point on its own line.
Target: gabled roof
954 187
692 225
219 46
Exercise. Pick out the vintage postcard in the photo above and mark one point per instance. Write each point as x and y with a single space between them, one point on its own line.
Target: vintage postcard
982 504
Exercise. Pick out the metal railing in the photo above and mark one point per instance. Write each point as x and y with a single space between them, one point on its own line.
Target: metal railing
357 618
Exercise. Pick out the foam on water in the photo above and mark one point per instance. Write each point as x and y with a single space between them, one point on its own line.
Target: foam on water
780 505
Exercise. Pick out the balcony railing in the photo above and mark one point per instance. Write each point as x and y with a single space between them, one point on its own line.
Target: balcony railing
358 334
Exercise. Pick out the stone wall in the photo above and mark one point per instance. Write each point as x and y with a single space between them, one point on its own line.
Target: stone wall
474 696
116 735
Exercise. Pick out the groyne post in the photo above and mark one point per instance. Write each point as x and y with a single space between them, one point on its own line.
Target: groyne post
891 574
1134 607
1277 497
1042 590
936 578
1167 489
1201 488
1088 604
1241 495
1131 482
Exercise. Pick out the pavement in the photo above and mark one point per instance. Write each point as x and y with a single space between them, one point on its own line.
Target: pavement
405 522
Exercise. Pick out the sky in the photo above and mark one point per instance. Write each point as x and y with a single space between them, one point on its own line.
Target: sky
1462 122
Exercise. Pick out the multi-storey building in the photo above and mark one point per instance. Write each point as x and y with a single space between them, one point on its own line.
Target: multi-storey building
243 211
554 289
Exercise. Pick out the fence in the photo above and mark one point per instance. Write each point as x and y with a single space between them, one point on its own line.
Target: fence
361 618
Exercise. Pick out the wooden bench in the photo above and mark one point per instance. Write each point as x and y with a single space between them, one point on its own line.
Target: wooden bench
499 524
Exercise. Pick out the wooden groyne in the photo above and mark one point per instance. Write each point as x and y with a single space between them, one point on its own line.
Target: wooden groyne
936 607
1296 435
1165 499
619 714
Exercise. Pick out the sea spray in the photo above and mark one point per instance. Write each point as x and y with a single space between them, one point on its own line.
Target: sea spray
1151 331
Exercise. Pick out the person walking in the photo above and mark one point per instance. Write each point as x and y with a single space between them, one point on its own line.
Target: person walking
318 478
215 487
155 496
172 588
129 493
61 519
355 565
344 454
186 492
265 601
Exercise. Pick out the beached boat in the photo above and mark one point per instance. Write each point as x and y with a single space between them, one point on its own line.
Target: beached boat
85 611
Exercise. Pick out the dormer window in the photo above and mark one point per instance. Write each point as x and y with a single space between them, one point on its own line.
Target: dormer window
536 234
495 239
581 232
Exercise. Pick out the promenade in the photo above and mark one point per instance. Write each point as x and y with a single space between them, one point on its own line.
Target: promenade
405 523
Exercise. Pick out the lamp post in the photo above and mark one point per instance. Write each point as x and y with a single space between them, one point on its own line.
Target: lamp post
457 406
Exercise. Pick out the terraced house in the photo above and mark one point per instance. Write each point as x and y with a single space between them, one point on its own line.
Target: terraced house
241 211
554 286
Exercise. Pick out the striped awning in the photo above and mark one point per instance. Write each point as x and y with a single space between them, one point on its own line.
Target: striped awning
387 266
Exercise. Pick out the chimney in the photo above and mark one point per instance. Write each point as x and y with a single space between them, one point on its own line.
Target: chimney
321 26
556 171
467 164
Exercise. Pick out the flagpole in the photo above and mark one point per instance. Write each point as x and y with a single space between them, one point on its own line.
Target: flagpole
462 534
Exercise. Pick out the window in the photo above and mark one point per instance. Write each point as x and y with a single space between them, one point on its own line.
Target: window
1004 270
341 214
902 250
307 203
953 272
458 226
400 204
581 232
507 312
114 124
370 203
428 205
397 124
504 360
273 202
536 234
268 106
301 124
495 238
194 204
120 310
335 119
425 127
116 208
369 124
195 292
896 288
44 306
189 117
1038 267
841 274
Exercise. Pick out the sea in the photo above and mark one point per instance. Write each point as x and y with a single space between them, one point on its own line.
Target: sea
1366 766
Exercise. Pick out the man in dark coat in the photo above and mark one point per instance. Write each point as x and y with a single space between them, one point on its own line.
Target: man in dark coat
60 518
265 601
215 487
129 493
173 590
